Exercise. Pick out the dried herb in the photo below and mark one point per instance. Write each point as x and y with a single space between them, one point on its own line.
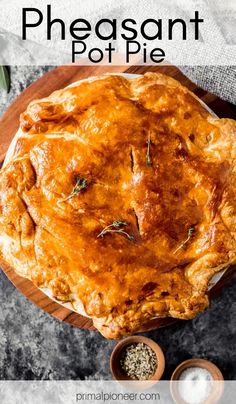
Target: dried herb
81 184
148 155
4 79
139 361
190 235
116 227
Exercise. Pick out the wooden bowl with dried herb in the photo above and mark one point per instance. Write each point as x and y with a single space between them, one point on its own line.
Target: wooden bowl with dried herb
137 358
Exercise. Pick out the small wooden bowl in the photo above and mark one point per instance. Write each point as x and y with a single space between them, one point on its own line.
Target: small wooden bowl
115 366
200 363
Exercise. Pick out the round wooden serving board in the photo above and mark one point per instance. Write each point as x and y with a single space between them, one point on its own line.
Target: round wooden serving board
54 80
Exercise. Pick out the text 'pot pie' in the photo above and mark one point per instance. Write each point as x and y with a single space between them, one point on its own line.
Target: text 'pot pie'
119 196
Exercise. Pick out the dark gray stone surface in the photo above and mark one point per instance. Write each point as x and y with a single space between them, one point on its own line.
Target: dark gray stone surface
34 345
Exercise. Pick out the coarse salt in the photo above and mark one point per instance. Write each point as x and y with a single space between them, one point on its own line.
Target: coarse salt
195 385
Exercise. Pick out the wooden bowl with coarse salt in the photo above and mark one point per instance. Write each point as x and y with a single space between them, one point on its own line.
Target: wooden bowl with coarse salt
196 377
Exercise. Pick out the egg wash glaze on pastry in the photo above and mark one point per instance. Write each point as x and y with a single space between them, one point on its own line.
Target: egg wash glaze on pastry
119 196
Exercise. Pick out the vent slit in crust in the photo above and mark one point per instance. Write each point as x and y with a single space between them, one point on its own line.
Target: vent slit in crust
131 160
136 220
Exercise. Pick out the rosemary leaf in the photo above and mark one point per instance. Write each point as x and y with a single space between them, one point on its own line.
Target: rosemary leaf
81 184
4 79
116 227
191 231
190 235
118 223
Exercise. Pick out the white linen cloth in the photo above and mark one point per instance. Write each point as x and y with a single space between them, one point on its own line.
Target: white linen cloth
216 46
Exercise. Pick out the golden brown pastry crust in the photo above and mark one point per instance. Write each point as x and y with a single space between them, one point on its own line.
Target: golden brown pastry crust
153 158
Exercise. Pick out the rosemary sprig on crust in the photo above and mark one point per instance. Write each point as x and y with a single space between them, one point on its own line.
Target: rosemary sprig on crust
190 235
116 227
81 184
148 154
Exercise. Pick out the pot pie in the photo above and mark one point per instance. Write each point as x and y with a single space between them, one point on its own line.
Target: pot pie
119 196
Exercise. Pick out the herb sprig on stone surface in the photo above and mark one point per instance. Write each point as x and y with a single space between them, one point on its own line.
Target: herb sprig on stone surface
4 79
